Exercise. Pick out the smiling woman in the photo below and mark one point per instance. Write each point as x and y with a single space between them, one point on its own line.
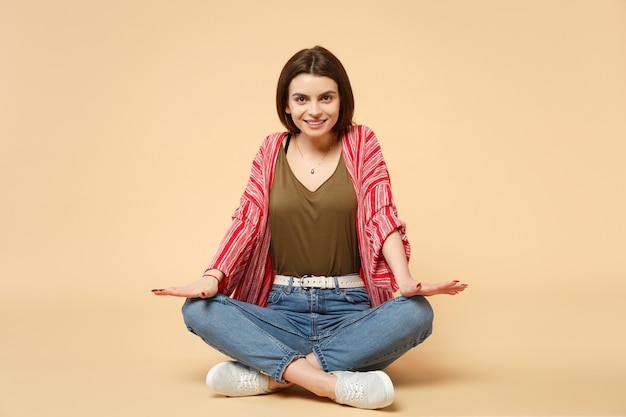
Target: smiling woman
307 271
318 62
314 106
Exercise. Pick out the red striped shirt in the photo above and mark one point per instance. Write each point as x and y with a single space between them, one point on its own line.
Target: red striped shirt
244 253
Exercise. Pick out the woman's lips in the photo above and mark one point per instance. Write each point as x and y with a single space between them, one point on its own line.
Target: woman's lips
315 123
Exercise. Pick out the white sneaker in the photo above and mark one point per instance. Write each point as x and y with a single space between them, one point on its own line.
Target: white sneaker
236 380
369 390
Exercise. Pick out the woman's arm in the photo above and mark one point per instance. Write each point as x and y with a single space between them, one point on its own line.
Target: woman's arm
393 251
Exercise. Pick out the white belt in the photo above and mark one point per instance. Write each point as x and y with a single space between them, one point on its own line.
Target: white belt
343 281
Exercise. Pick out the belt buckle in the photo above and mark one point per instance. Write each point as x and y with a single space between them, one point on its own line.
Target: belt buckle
307 287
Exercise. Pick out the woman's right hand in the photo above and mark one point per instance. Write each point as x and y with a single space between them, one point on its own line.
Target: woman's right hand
205 287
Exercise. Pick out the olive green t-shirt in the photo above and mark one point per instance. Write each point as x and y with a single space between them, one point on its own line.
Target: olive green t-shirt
313 232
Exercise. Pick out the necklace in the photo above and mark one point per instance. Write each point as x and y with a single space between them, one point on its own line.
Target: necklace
312 171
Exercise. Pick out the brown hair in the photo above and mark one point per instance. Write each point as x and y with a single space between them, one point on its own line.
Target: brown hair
316 61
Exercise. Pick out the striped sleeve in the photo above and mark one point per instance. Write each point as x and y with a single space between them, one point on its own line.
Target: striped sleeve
383 221
234 251
378 213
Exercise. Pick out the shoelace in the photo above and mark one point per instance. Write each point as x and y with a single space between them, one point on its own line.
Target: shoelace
353 391
249 381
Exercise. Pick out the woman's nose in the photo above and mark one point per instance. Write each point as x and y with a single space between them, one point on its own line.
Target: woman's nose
314 108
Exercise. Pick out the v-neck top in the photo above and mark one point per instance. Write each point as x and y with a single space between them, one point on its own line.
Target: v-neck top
313 232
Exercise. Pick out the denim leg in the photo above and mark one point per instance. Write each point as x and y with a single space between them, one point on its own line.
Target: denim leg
374 338
253 335
337 325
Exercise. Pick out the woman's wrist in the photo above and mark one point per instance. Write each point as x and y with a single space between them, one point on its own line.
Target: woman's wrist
214 274
211 276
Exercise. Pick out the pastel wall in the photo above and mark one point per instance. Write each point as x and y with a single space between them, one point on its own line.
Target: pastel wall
127 129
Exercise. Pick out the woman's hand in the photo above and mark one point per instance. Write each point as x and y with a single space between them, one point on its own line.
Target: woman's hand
409 288
205 287
394 253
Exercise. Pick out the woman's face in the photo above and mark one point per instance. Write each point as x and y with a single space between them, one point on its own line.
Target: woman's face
313 104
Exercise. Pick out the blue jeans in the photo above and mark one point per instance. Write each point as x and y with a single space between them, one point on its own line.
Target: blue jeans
337 325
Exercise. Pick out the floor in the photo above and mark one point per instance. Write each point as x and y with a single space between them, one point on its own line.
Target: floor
90 358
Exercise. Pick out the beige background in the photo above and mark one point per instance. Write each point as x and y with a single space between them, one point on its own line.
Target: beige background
126 133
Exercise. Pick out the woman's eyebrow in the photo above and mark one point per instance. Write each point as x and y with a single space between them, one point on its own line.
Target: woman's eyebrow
325 93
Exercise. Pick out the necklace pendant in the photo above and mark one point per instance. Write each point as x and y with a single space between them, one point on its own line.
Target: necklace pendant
312 171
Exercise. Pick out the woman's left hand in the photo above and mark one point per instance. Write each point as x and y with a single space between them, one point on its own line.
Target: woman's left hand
410 288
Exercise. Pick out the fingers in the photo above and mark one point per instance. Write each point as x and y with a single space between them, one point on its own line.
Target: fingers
449 288
168 291
162 291
457 287
182 292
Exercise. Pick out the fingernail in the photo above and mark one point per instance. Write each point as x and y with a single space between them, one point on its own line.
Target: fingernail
157 289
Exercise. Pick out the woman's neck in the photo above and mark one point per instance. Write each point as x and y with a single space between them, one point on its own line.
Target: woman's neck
317 144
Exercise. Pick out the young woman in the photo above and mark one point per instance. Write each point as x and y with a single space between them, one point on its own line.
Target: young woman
301 289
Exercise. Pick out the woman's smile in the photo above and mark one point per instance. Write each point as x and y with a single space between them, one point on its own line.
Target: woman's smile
315 124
